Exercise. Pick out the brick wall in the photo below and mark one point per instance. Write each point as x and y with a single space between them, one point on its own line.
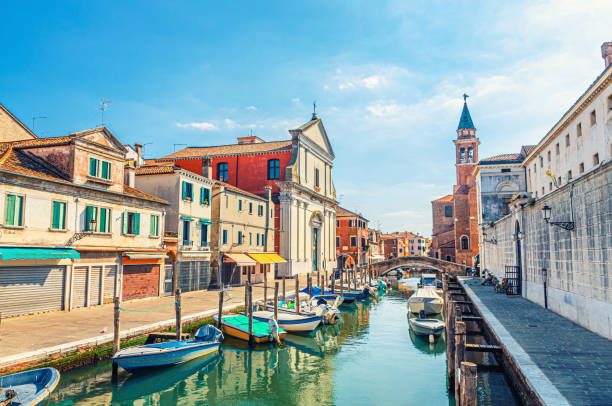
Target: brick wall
579 262
140 281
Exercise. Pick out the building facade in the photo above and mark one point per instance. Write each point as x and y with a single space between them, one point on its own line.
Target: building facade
73 234
351 237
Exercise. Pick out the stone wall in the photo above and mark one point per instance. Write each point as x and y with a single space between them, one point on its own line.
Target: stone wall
579 262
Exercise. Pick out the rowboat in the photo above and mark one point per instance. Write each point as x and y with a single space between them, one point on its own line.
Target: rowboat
291 322
426 327
237 326
425 299
205 344
29 387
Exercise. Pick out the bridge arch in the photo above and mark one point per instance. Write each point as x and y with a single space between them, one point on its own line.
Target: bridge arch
419 262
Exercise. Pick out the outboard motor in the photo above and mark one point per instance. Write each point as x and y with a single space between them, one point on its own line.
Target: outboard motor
274 330
422 314
209 333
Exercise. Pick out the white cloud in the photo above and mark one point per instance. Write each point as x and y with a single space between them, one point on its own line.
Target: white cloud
251 108
202 125
295 100
231 124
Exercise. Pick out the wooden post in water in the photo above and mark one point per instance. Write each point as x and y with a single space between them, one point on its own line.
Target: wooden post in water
250 313
297 294
469 379
177 307
284 295
276 301
450 343
309 285
444 291
324 283
460 331
116 337
220 314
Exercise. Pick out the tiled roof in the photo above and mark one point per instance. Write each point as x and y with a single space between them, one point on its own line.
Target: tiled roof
155 170
502 158
128 190
529 148
447 198
233 149
37 142
342 212
22 163
238 190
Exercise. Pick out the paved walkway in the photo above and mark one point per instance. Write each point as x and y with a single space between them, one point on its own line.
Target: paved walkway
566 363
35 337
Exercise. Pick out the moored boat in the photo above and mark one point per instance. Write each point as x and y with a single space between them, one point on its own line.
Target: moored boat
426 327
291 322
237 326
29 387
426 299
205 344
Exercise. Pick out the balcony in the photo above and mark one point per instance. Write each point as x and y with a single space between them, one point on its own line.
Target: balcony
186 245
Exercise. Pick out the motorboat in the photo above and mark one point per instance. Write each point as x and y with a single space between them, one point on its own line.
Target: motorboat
426 327
237 326
325 306
205 344
29 387
426 299
292 322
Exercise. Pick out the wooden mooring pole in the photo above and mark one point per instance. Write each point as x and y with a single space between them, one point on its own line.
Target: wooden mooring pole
450 341
297 294
284 295
177 307
276 301
460 330
309 282
116 337
469 379
323 283
220 314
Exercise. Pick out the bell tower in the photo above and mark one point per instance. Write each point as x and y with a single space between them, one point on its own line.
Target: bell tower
466 147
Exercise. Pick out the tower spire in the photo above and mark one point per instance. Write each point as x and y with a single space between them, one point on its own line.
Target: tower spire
465 122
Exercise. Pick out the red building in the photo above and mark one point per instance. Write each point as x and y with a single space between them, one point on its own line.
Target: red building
455 217
395 246
351 237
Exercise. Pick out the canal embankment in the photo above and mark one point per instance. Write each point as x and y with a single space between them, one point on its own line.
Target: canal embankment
548 359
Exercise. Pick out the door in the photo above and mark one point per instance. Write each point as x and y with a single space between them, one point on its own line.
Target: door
315 249
95 282
517 229
110 277
27 290
79 287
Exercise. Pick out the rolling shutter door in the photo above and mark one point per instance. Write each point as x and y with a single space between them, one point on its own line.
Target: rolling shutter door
95 278
194 275
26 290
109 283
79 289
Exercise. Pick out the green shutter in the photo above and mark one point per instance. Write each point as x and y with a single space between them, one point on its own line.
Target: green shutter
55 220
9 219
89 215
124 222
136 225
190 190
93 166
184 190
105 170
19 210
103 220
154 221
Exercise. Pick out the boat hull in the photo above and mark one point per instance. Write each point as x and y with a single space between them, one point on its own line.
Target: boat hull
172 356
421 327
427 307
241 333
291 324
32 387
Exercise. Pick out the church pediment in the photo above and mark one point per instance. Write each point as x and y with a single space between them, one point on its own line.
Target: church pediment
315 132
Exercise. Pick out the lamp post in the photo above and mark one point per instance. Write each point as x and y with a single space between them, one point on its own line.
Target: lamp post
566 225
545 279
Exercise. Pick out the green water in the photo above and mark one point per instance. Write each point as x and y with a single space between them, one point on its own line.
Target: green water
370 358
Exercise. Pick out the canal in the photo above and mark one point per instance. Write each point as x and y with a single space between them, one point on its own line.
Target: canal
370 358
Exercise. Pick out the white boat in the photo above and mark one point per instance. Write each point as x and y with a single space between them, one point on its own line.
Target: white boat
290 321
426 327
426 299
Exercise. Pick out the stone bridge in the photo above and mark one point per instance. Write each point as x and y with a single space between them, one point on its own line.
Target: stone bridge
419 262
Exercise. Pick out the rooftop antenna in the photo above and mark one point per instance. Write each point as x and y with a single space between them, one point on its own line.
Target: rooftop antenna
103 106
314 110
34 118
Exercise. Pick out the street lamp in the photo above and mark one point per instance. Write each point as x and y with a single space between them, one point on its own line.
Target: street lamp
92 225
566 225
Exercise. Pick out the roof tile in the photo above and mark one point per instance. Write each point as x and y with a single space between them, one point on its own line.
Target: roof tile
233 149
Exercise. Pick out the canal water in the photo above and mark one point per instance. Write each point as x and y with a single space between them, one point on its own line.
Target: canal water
370 358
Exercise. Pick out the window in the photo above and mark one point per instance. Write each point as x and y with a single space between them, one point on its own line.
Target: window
470 155
260 210
567 140
337 223
100 216
569 176
316 177
541 162
273 169
257 239
549 156
250 238
13 215
581 167
505 170
610 102
448 211
535 170
224 237
337 241
579 130
58 218
187 192
465 242
154 225
448 258
186 232
250 207
205 196
222 171
462 155
549 186
557 149
353 241
239 205
99 168
363 242
543 192
593 118
595 159
131 223
239 237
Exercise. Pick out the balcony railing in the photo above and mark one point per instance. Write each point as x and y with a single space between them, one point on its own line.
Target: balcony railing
187 244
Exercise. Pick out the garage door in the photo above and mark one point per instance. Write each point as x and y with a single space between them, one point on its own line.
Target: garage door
26 290
109 283
80 287
193 275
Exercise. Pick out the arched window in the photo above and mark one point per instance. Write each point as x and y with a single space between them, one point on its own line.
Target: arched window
465 242
222 171
462 155
470 158
448 258
273 169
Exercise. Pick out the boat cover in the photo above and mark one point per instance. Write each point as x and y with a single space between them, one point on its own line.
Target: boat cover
209 333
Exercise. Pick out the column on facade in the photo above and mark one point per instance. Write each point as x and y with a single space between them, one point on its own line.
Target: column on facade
298 231
307 237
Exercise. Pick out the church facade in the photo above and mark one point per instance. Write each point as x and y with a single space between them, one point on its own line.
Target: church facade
455 216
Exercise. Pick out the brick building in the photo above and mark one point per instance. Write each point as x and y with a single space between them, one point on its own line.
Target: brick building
352 236
394 245
455 217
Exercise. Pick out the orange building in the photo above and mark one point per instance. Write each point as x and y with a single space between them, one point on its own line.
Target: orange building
352 239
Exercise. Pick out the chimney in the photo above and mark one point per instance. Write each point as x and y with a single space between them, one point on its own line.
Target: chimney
207 168
129 173
606 53
138 154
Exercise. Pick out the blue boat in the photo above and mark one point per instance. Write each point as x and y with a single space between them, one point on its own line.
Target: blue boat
29 387
355 294
205 344
316 291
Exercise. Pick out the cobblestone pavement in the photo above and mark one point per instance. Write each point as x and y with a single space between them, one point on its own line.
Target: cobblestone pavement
577 361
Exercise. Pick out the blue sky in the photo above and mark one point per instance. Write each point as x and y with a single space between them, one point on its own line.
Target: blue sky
387 78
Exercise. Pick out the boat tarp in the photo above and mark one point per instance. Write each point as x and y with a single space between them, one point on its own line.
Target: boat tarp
260 328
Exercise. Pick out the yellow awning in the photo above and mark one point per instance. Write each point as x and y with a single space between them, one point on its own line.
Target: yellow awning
240 259
267 257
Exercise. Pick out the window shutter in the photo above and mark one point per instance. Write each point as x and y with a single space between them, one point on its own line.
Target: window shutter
103 220
105 170
201 195
136 225
206 196
184 190
124 222
10 210
56 213
19 210
89 215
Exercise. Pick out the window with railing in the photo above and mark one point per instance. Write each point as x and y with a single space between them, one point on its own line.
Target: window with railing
222 171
